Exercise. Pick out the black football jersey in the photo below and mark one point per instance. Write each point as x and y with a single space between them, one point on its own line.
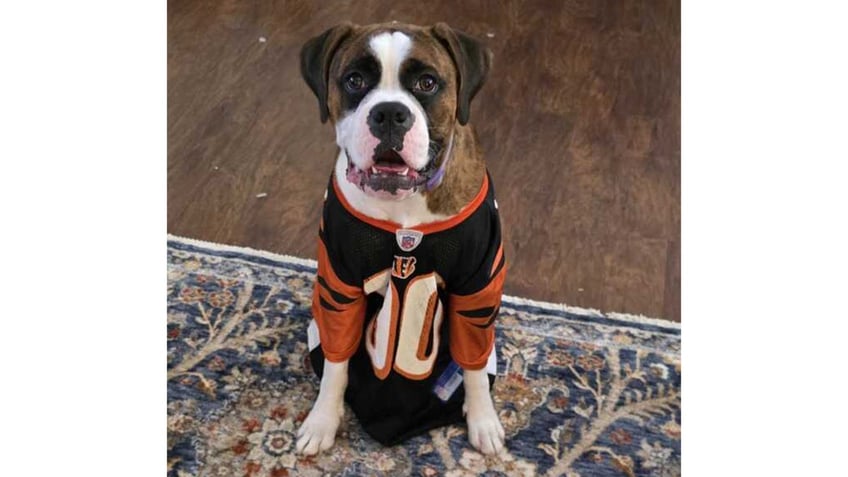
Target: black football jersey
403 305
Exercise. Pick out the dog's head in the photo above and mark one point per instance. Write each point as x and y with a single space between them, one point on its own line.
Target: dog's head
394 93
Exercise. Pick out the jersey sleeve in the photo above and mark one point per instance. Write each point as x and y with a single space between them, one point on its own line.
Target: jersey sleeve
474 305
338 305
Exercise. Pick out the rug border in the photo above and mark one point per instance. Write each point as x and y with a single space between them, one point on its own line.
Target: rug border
306 262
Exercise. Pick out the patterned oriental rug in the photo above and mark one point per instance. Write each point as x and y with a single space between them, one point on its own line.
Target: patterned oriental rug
579 393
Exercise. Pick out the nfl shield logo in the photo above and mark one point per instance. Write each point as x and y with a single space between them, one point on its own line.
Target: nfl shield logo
407 240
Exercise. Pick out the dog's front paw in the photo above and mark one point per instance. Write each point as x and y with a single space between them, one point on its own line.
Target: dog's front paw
485 432
318 431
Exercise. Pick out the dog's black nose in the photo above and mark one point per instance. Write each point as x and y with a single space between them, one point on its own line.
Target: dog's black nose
390 119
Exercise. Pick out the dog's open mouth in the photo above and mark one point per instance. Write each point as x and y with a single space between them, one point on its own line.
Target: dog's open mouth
389 173
389 163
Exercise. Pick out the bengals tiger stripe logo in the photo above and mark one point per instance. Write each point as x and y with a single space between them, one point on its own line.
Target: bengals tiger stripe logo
403 267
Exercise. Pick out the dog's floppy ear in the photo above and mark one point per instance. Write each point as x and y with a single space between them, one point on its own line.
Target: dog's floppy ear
315 58
473 60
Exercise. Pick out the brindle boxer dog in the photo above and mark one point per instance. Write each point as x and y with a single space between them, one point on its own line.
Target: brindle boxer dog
408 165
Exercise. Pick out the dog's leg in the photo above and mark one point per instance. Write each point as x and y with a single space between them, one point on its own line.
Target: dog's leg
318 431
485 431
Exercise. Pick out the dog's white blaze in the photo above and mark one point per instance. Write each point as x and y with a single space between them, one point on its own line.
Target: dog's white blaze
390 49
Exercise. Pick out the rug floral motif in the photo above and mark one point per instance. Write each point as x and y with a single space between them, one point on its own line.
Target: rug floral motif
579 393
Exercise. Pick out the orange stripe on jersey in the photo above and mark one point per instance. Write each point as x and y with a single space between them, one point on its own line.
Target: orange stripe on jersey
488 296
325 270
338 309
472 338
425 330
497 260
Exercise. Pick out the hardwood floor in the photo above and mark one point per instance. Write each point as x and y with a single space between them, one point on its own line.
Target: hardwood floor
580 121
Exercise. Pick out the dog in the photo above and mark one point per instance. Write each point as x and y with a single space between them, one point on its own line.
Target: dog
410 259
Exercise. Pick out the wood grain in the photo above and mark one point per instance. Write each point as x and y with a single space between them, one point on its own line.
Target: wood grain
579 121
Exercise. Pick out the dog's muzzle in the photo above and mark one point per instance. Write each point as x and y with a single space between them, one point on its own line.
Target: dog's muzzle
391 174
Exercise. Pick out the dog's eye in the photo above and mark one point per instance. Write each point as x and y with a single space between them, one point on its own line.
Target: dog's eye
354 82
426 84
